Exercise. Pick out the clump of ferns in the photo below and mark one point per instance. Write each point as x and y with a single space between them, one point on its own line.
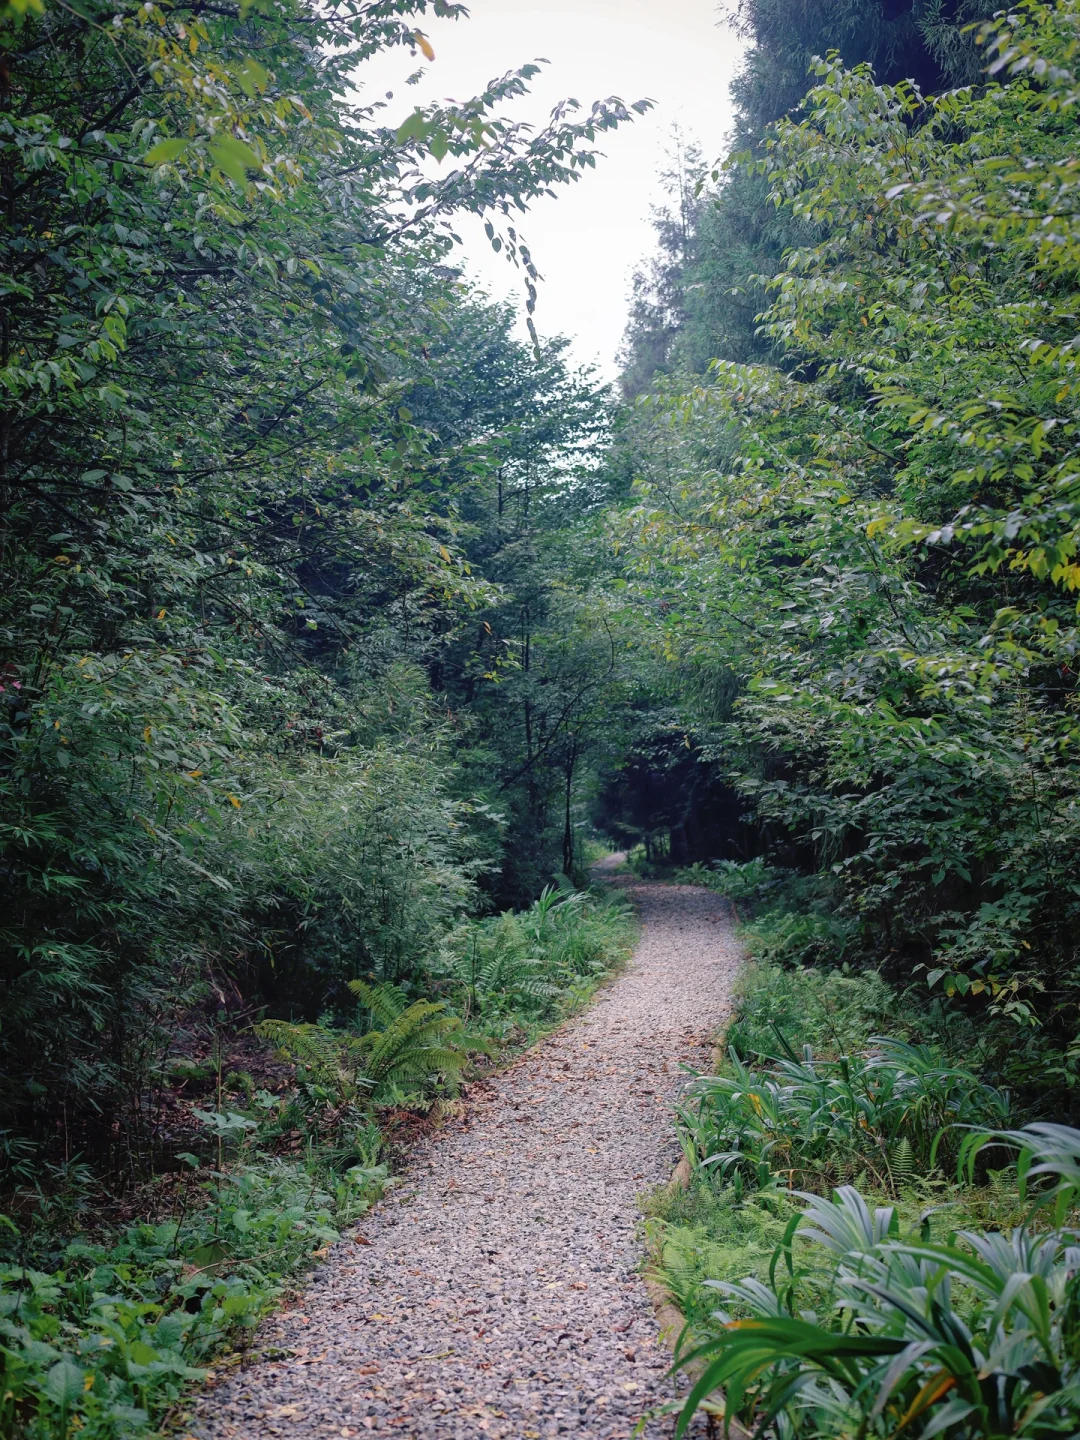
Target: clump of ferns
406 1052
492 966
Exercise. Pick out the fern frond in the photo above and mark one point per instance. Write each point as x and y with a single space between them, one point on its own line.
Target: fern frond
412 1029
386 1002
426 1064
332 1056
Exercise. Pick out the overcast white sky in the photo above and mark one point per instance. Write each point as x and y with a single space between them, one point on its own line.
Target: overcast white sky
587 242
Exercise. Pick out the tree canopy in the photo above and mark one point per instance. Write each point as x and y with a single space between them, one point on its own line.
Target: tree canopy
863 555
267 465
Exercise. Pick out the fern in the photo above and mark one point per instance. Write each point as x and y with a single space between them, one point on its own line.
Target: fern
385 1002
494 963
421 1043
331 1058
902 1160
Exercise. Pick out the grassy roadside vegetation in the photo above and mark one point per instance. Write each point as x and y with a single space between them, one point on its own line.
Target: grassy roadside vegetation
105 1327
863 1247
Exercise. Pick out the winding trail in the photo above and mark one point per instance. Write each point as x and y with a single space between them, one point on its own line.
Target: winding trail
498 1292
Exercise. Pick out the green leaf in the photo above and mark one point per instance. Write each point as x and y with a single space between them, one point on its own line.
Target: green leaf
415 127
165 151
234 158
64 1384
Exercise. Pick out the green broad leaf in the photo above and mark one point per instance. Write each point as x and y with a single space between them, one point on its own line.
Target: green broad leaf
165 151
252 78
143 1354
65 1383
206 1256
414 128
233 158
439 144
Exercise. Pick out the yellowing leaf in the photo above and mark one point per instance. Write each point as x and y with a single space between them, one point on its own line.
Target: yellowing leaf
233 801
425 45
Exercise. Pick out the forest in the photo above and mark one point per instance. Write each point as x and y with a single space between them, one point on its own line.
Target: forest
341 628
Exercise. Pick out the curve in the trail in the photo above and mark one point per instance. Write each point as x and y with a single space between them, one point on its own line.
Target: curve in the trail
498 1291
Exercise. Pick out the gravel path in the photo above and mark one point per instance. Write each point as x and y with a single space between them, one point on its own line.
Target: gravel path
497 1292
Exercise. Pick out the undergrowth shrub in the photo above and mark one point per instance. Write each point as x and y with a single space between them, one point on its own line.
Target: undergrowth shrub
889 1112
537 964
106 1341
868 1329
929 1297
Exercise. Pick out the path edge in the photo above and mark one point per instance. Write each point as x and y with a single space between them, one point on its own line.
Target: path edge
670 1320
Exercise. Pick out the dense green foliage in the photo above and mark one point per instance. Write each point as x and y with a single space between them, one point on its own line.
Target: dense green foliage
113 1338
283 675
899 1265
863 564
329 609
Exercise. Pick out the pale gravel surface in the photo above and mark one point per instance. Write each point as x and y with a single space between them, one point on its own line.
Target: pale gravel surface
501 1293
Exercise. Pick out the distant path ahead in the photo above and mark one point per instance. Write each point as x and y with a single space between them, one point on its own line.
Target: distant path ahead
498 1291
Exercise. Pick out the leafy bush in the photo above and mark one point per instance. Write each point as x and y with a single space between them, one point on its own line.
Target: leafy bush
978 1335
746 882
113 1337
886 1112
535 965
835 1010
